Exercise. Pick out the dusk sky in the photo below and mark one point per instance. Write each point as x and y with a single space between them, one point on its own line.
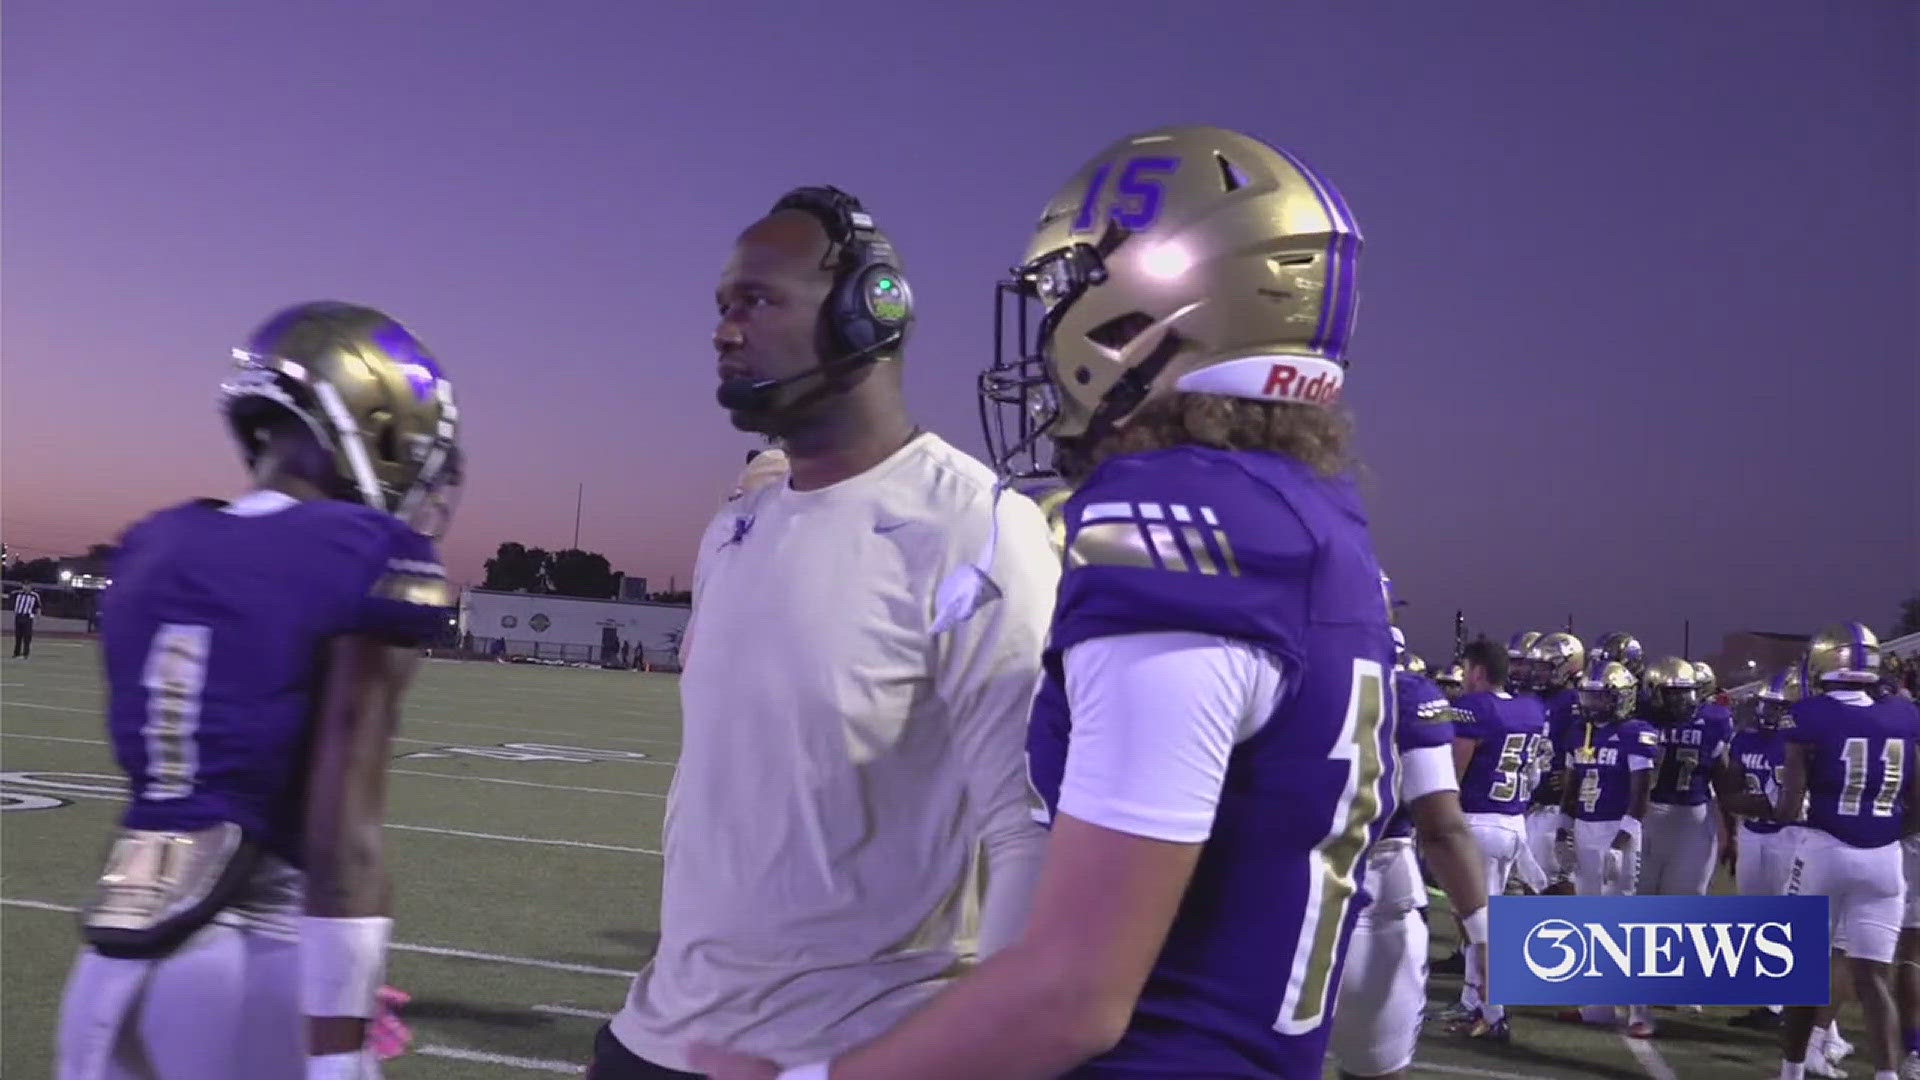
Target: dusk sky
1637 341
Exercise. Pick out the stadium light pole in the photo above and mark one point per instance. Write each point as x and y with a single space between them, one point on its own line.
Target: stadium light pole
579 496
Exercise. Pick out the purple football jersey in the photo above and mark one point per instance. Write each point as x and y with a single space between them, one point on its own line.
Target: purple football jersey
1600 766
1255 547
1511 732
1563 720
1760 757
1424 719
1858 757
212 634
1689 752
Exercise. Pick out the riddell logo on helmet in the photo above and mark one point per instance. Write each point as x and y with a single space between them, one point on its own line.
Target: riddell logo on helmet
1289 383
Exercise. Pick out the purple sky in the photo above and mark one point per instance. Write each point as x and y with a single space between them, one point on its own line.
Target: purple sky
1637 342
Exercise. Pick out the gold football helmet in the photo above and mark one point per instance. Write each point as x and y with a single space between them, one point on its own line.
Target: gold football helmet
1670 693
1777 697
369 392
1704 678
1184 258
1519 670
1607 692
1843 653
1451 680
1621 648
1414 663
1556 660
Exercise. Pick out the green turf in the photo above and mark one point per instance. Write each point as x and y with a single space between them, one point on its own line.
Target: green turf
510 900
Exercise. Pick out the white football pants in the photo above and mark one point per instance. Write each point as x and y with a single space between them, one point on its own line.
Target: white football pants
1680 845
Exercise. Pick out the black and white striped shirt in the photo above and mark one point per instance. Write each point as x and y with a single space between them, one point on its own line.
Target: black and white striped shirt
26 603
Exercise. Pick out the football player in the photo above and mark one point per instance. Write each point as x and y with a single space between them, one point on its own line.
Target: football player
1620 647
1847 768
1212 746
1519 668
1682 842
1384 985
1556 661
1609 780
1450 679
1496 739
1762 848
256 652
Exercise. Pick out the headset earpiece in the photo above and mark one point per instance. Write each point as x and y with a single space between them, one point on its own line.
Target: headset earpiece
871 302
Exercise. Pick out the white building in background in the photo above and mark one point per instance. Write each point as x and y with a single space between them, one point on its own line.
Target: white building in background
571 628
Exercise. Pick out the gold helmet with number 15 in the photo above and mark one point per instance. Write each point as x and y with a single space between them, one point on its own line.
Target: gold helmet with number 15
1187 258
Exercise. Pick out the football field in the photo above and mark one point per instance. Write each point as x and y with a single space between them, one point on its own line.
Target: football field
524 833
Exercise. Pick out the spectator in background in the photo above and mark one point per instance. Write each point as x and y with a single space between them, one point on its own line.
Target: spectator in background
26 608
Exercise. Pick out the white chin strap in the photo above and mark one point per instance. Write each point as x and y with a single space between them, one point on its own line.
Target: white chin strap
1300 380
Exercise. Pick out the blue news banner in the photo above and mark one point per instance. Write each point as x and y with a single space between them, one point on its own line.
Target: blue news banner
1657 950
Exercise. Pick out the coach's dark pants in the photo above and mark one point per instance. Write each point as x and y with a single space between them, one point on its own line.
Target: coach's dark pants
613 1061
23 635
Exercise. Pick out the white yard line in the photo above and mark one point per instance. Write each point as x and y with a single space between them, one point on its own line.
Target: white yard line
529 783
525 839
1467 1070
29 783
12 704
1649 1057
401 946
568 1010
565 1068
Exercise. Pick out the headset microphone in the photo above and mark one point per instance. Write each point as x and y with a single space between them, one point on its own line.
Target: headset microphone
755 395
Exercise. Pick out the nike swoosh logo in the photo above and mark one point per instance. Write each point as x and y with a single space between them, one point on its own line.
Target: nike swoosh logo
885 529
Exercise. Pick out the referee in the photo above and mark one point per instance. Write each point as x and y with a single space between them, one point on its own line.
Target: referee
26 608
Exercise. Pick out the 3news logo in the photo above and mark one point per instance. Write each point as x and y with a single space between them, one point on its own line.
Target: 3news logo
1657 950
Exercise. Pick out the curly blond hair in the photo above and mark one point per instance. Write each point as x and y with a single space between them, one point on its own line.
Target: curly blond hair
1316 435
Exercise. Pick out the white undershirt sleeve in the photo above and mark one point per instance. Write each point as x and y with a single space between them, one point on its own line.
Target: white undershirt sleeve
1426 770
1155 717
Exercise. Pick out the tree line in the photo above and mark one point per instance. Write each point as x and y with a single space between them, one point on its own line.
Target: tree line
516 567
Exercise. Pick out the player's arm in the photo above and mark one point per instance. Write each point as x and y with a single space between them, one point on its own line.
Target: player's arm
1643 763
986 671
343 938
1729 789
1463 747
1446 843
1793 786
1910 812
1122 850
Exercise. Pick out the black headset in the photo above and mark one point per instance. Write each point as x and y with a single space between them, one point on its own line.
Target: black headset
871 304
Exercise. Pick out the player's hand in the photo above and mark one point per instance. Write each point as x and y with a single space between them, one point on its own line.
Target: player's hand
1610 866
729 1064
387 1036
1730 854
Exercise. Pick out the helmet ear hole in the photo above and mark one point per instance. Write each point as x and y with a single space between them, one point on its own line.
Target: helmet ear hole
386 444
1116 333
1230 178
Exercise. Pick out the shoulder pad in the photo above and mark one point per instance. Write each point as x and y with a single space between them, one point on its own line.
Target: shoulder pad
1184 541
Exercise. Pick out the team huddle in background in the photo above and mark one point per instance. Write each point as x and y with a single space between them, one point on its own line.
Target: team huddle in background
1101 759
1610 775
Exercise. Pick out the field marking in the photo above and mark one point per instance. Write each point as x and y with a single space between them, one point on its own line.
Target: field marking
85 683
569 1010
1649 1057
396 772
25 783
529 783
526 839
396 738
401 946
1468 1070
565 1068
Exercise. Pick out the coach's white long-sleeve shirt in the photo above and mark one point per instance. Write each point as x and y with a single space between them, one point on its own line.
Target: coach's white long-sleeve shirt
842 764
